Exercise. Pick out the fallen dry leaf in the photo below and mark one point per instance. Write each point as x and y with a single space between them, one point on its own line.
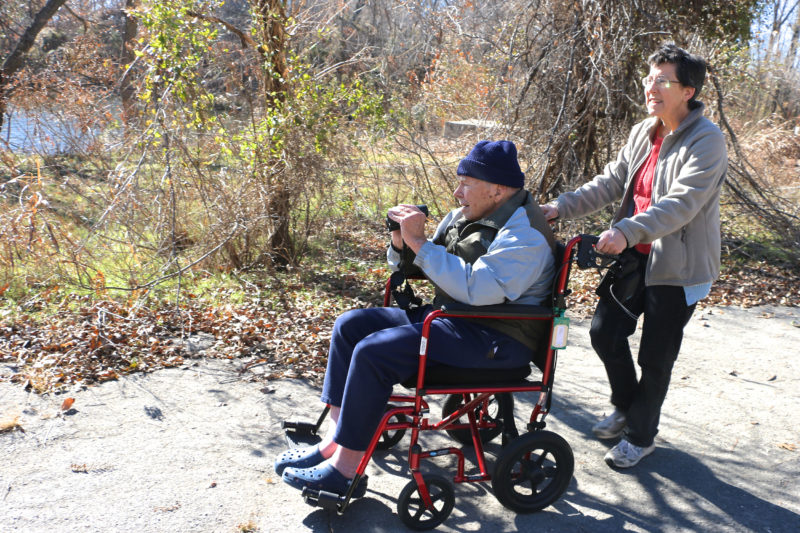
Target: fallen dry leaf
10 423
788 446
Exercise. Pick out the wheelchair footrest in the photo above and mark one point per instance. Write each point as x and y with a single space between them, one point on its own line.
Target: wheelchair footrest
299 427
324 499
300 433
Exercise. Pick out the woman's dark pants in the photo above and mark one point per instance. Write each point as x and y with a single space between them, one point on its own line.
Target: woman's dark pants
665 315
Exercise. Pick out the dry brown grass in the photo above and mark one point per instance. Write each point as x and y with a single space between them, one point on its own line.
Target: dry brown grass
773 148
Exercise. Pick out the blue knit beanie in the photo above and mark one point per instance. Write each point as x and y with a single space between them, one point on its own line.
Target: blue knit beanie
495 162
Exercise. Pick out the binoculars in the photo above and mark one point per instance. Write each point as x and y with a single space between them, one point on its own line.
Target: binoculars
391 225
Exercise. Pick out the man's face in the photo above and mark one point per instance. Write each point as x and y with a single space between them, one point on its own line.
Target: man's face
478 198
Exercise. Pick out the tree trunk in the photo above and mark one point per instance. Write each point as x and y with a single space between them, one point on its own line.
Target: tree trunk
792 57
784 87
271 19
769 100
126 57
15 59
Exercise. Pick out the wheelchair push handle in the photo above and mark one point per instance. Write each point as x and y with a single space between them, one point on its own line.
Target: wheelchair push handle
392 225
589 257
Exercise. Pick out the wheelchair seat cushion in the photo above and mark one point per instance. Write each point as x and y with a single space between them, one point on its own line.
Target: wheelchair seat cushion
454 375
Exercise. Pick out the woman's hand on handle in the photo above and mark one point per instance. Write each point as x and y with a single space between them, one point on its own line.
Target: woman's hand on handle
612 242
549 211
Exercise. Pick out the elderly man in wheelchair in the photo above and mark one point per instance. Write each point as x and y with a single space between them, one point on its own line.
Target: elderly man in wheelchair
495 250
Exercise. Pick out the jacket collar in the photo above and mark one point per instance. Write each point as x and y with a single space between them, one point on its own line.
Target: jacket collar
695 112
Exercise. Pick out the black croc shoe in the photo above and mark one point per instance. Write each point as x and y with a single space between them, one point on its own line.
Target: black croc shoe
298 458
323 477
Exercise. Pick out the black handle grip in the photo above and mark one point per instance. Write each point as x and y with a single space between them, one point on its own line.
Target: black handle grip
588 256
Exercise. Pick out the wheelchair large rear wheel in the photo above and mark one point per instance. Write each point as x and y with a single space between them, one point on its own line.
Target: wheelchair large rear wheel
533 471
412 509
492 410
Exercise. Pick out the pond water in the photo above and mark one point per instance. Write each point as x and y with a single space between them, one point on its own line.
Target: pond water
42 133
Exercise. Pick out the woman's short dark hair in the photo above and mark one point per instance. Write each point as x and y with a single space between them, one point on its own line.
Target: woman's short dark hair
690 69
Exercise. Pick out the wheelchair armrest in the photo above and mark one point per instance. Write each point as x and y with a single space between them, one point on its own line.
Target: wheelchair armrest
498 311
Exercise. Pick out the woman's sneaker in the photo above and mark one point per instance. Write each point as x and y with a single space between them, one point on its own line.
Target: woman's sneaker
611 427
626 455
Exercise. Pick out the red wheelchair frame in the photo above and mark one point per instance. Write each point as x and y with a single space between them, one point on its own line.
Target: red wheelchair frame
533 469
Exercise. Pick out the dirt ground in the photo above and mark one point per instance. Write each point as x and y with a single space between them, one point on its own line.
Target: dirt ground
191 449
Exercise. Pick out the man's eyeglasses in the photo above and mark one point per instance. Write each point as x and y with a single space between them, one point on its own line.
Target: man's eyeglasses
659 82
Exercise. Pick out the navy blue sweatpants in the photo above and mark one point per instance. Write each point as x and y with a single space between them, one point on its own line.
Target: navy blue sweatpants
373 349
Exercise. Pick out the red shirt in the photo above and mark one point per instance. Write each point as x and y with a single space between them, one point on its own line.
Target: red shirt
643 187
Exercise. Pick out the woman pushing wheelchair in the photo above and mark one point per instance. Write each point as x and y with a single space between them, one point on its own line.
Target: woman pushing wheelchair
496 248
668 177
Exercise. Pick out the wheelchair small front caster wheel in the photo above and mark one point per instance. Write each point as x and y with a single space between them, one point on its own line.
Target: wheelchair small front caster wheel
533 471
411 507
391 437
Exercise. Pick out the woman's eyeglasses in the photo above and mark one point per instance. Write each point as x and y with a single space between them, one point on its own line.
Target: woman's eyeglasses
659 82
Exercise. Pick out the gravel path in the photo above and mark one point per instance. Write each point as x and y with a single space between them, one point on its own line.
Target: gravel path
191 449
